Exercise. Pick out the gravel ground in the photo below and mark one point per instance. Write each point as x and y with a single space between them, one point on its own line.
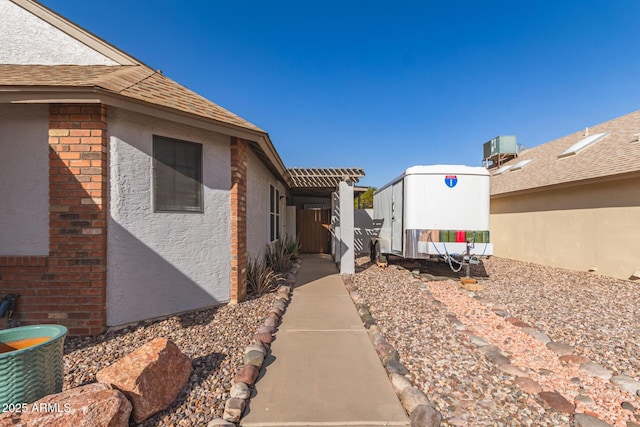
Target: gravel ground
214 339
598 315
464 386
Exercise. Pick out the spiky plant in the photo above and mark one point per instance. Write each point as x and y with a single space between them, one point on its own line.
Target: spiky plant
277 257
260 278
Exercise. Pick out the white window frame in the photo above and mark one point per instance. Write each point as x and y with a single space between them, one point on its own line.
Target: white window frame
275 213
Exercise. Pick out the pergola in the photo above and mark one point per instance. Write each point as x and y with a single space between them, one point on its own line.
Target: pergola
322 180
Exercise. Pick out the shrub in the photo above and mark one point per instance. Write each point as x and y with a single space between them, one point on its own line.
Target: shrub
292 246
260 278
277 257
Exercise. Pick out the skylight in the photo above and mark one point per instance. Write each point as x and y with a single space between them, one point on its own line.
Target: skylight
503 169
521 164
583 143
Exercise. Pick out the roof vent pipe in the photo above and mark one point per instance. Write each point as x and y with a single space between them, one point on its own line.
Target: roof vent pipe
586 131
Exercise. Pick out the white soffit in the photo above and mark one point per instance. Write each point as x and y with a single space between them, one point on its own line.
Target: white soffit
583 143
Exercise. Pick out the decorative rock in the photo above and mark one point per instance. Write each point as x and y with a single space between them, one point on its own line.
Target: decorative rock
255 358
486 349
626 383
585 420
284 290
220 422
271 321
528 385
233 409
263 338
280 305
560 348
584 400
383 348
240 390
497 357
151 376
246 374
374 329
511 370
399 382
574 358
277 310
594 370
517 322
543 338
411 398
628 406
557 401
266 330
395 367
457 421
425 416
255 346
503 313
478 341
275 315
390 355
90 405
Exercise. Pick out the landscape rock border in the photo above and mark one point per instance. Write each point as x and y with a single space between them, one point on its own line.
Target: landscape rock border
565 353
256 353
422 413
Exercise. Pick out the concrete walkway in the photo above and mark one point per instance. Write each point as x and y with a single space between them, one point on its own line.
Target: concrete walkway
323 369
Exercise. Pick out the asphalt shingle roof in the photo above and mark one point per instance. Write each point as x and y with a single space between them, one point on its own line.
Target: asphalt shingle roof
133 81
617 153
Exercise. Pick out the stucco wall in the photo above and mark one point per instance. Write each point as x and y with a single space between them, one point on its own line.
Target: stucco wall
26 39
578 228
162 263
258 180
24 180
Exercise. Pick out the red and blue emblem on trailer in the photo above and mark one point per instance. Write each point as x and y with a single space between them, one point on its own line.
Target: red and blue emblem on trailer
451 180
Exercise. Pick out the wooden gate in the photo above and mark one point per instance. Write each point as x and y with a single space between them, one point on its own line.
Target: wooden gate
313 230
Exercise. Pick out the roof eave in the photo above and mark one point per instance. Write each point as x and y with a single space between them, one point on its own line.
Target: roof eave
93 94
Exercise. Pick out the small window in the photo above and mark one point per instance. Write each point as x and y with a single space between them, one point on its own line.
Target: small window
274 213
177 177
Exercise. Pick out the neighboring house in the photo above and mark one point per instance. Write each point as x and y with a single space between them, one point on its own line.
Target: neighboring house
573 202
123 195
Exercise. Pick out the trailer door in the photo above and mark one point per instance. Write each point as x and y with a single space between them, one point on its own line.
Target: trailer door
396 217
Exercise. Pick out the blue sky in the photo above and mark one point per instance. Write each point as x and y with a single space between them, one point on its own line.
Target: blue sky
388 85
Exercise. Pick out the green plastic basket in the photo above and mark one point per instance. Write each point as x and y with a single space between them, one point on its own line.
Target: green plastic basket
31 373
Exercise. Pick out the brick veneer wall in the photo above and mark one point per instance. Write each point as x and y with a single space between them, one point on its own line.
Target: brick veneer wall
68 287
238 220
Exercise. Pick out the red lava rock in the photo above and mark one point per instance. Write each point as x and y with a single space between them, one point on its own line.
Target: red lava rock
517 322
264 338
93 405
247 374
151 376
557 401
528 385
574 358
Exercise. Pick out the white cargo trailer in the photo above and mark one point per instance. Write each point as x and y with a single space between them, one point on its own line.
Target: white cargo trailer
434 211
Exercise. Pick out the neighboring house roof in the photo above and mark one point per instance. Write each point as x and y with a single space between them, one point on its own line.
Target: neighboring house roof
133 81
617 152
